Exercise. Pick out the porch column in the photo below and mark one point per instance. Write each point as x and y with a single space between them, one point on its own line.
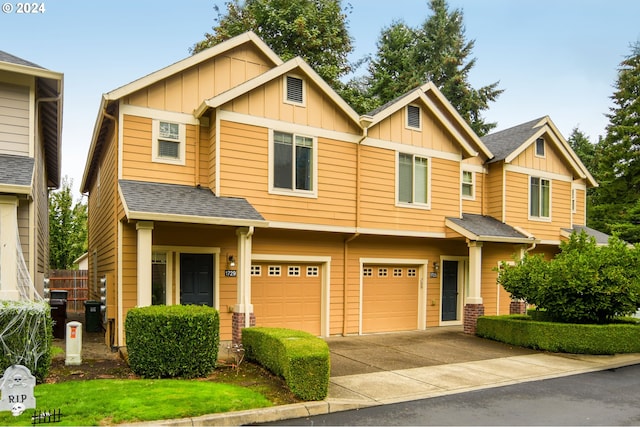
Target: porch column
145 234
474 307
243 316
8 248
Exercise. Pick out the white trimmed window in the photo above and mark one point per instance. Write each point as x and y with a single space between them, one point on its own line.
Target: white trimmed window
256 270
397 272
294 271
539 198
574 200
413 179
293 162
168 142
411 272
274 270
383 272
413 117
294 90
313 271
540 147
468 185
158 278
367 272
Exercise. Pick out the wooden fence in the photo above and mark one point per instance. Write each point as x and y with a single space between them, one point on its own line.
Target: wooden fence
76 283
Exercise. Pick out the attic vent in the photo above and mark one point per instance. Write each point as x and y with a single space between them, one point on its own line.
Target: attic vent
413 116
294 89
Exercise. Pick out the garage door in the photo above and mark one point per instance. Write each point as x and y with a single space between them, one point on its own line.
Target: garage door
287 295
390 298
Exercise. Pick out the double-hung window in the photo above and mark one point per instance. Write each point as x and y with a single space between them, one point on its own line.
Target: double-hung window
168 142
539 198
293 162
467 185
413 179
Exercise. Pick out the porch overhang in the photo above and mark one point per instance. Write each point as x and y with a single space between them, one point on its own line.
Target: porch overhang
16 174
601 238
151 201
483 228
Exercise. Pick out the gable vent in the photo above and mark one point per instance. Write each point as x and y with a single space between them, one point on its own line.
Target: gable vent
294 89
413 116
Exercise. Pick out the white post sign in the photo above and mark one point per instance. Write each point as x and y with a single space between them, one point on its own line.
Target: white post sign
16 387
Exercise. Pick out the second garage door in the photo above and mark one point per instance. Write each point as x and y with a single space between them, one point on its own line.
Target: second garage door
287 296
390 298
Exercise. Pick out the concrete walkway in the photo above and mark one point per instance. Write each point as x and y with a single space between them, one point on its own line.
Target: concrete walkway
391 368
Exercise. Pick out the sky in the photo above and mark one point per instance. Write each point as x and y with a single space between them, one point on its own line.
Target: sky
552 57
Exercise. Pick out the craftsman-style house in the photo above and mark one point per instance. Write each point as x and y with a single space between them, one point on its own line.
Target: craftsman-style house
236 180
30 152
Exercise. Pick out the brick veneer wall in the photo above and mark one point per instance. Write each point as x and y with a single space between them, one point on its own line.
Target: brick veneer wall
238 325
517 307
471 314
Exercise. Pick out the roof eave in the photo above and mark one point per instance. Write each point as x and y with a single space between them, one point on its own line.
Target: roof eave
192 219
485 238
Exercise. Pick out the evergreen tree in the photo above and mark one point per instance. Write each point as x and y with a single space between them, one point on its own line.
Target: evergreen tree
67 228
315 30
437 51
585 150
616 203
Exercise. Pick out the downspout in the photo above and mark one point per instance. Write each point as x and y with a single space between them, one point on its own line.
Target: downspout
365 122
197 168
247 297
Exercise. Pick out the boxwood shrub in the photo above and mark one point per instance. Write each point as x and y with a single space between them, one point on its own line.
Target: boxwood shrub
522 330
299 357
172 341
26 329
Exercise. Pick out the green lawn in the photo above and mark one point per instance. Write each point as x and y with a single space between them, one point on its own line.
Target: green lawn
104 402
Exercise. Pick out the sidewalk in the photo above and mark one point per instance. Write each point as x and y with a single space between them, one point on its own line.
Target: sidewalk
399 385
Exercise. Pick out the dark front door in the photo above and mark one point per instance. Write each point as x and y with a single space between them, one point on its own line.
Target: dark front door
449 290
196 279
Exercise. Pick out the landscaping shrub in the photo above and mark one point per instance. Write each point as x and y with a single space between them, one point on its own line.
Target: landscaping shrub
584 283
623 336
26 332
299 357
172 341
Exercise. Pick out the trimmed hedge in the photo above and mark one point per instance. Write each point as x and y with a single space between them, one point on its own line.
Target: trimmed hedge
299 357
522 331
26 329
173 341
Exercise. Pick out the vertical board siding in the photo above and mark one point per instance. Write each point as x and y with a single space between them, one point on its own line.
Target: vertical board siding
552 162
137 161
14 119
185 91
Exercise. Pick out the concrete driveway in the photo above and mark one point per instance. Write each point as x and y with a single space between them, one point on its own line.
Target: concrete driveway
364 354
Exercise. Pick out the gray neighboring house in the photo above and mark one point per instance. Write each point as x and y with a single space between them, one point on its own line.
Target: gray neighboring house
30 153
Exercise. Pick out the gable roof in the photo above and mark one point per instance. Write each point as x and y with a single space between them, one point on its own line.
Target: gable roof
601 238
430 96
510 143
106 108
293 64
485 228
16 174
49 94
152 201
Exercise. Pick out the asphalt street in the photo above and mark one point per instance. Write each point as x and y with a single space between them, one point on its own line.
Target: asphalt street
609 397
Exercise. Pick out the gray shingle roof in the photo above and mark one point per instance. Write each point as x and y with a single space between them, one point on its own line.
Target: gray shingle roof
487 227
601 238
16 170
505 142
7 57
172 199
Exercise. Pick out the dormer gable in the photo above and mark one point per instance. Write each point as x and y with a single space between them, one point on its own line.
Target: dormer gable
541 137
428 100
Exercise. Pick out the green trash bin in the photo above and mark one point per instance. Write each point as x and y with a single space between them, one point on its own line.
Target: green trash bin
92 315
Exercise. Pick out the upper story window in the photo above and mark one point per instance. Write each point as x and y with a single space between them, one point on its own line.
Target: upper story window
468 190
293 162
413 117
574 200
413 179
294 90
168 143
539 198
540 147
